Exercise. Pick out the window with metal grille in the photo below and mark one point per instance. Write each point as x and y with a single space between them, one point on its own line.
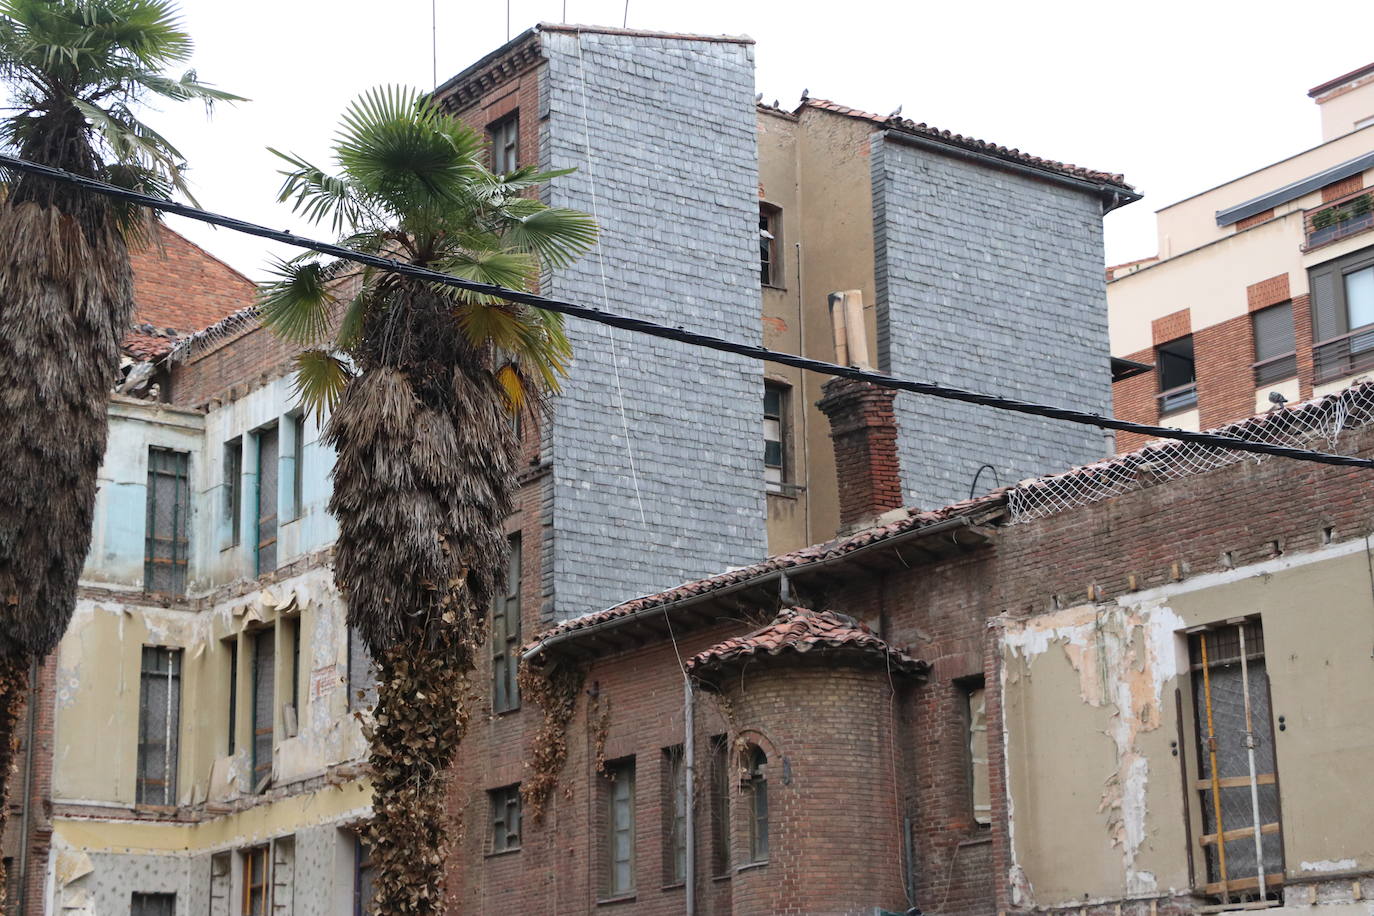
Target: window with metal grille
1237 781
256 881
1177 375
264 677
505 636
1276 355
362 677
770 245
233 490
674 782
153 905
505 818
505 144
159 725
720 805
267 501
776 446
975 699
757 777
167 542
619 792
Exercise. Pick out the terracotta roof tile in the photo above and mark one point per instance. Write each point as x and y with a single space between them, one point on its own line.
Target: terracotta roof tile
807 555
799 631
145 342
971 143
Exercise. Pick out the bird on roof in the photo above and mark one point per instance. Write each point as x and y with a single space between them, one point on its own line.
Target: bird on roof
896 113
1277 399
758 98
806 94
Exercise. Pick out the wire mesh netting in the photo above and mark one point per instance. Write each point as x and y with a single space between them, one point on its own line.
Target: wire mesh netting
1321 420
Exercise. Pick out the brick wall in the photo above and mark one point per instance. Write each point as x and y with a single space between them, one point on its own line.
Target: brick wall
990 281
39 837
940 611
179 285
863 428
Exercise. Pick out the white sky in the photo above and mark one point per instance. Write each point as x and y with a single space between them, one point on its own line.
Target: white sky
1177 96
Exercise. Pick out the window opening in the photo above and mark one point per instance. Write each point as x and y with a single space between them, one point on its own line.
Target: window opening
1237 779
505 144
505 636
364 878
255 881
233 645
298 468
264 660
979 790
775 442
720 806
267 501
675 815
1177 375
1275 348
770 265
620 797
505 818
159 726
758 806
153 905
233 488
168 526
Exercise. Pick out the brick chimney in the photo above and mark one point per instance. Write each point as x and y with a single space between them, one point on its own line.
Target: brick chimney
863 429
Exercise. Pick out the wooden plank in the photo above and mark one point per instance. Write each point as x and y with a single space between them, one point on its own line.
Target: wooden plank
1240 833
1235 782
1243 884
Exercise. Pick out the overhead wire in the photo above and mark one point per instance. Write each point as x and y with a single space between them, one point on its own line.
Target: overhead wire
681 335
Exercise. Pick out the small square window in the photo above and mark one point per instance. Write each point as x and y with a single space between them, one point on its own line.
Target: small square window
505 144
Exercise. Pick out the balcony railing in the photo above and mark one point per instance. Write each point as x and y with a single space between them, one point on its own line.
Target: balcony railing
1339 219
1344 355
1180 398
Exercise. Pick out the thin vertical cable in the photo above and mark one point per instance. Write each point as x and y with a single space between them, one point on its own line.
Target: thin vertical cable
1216 778
625 22
605 288
434 41
1250 751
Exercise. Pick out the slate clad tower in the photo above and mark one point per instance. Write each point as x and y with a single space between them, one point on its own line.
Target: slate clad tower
661 131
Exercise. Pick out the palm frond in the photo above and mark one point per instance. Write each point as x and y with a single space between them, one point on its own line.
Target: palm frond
557 235
186 89
320 380
511 269
316 195
296 306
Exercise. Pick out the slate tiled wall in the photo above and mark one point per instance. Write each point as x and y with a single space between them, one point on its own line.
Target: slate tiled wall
673 178
993 282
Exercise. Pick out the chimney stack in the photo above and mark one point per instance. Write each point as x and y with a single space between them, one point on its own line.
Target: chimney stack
863 428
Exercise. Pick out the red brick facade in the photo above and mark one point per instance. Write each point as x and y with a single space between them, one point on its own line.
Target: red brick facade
180 286
863 428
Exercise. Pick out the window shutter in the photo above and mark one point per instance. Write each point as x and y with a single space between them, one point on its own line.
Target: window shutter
1273 331
1328 321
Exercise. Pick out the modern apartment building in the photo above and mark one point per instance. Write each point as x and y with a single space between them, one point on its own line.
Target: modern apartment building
1261 286
210 656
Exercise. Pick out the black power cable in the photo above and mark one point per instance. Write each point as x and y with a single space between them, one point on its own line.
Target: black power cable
1214 440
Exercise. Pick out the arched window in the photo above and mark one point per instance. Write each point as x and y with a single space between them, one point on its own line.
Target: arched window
758 806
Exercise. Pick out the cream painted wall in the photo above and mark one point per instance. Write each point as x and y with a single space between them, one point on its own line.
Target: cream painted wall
1341 113
1096 794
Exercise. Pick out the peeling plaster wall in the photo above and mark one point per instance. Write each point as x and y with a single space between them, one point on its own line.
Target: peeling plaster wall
1089 716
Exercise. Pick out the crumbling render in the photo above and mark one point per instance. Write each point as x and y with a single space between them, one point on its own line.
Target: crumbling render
1123 657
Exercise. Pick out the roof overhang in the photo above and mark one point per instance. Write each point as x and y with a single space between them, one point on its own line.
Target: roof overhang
1123 369
1283 195
928 544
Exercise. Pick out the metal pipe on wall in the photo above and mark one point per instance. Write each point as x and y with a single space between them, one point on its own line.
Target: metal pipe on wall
855 328
689 775
837 328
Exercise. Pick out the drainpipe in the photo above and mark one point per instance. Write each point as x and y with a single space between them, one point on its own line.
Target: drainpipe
28 790
689 827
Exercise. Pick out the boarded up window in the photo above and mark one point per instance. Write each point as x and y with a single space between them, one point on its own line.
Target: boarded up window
233 489
362 677
976 698
505 818
159 723
619 793
221 882
264 660
255 882
153 905
169 521
1237 784
283 876
505 636
267 501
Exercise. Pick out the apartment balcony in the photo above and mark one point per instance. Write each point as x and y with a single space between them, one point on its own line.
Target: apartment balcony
1345 355
1176 399
1339 219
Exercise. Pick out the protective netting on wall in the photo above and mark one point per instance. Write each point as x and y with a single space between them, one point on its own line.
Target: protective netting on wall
1322 421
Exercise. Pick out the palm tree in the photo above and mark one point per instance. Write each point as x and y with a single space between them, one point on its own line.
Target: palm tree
420 381
74 72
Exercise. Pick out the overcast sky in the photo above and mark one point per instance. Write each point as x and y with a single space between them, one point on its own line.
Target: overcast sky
1177 96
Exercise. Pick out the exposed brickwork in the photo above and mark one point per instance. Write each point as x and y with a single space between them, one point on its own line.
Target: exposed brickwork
835 837
1134 399
228 370
1171 326
1338 189
181 286
1255 220
1302 337
1267 292
863 428
1225 353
